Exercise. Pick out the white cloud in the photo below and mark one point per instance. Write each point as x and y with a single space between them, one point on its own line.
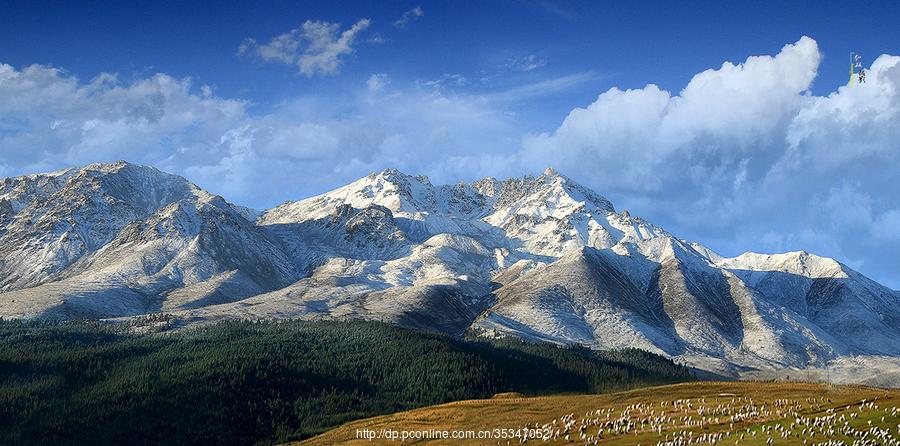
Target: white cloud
303 148
527 63
448 80
55 120
316 47
377 82
377 39
409 16
721 115
854 123
50 119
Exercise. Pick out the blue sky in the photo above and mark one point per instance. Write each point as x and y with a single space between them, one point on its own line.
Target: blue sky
623 44
282 100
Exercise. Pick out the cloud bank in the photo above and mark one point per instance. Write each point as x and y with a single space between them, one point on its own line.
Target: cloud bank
743 157
49 119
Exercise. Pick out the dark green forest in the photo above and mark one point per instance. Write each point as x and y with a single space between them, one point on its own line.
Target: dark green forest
265 382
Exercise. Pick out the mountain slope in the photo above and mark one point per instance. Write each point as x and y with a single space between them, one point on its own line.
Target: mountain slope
828 293
133 241
541 258
683 311
49 221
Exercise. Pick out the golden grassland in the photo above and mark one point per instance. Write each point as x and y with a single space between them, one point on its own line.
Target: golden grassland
724 413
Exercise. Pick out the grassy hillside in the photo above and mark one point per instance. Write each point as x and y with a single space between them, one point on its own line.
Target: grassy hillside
726 413
246 383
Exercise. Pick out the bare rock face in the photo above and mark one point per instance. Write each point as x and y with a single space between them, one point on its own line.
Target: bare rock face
541 258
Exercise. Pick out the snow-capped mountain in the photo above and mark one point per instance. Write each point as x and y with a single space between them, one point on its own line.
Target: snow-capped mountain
541 258
118 239
49 221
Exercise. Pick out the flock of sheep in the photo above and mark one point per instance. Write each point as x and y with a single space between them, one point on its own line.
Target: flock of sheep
729 419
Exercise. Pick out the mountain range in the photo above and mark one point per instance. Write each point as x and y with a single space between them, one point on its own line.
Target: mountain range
541 258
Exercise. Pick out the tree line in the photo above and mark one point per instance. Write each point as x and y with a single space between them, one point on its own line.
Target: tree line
242 382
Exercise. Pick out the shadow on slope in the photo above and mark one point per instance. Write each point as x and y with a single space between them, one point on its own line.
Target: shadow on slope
246 383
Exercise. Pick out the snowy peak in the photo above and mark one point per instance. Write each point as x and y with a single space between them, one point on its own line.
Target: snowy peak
551 185
140 188
406 194
799 263
549 195
48 222
392 189
397 191
530 217
545 215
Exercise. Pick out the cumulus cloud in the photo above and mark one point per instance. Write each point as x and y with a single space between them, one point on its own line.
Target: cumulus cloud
50 119
316 47
721 116
409 16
